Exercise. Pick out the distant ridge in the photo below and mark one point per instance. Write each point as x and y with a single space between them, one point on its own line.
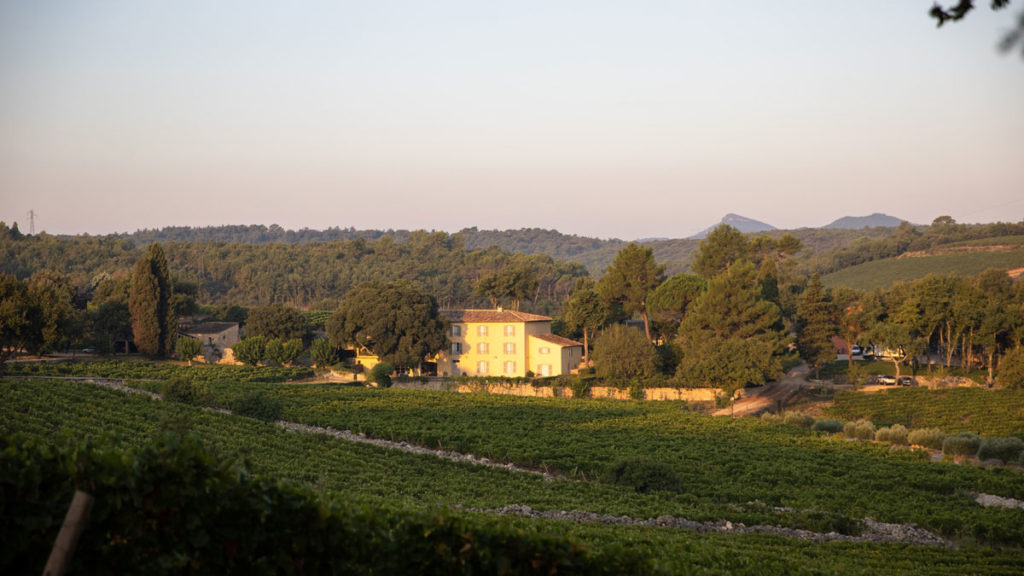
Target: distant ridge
872 221
741 223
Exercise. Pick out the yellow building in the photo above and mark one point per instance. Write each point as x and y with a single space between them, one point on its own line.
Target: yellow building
505 343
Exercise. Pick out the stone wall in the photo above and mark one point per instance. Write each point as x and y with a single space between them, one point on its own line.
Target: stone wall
530 391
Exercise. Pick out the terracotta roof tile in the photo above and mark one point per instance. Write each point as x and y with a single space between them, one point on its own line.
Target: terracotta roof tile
557 340
492 316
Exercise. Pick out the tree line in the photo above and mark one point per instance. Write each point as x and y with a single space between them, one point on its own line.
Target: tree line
747 307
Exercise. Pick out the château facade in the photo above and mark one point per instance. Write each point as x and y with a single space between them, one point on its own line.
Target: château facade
505 343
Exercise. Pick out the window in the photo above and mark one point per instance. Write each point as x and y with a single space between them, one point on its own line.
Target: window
545 350
456 347
510 330
510 367
545 369
456 331
510 347
481 367
481 348
481 330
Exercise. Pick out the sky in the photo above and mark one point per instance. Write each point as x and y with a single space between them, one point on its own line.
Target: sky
607 119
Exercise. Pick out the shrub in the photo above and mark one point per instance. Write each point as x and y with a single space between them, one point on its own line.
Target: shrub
830 425
323 353
580 388
250 350
1011 368
642 475
257 406
799 419
636 390
771 417
1006 449
895 434
380 375
622 353
187 392
861 430
927 437
188 348
962 444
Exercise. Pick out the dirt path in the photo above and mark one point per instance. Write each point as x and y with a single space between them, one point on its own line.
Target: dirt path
769 396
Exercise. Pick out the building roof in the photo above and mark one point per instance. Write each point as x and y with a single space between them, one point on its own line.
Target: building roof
210 327
495 316
557 340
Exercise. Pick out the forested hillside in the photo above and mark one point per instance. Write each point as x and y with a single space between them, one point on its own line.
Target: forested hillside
304 275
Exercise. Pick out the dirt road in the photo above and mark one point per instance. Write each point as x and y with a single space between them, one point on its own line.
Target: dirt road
771 395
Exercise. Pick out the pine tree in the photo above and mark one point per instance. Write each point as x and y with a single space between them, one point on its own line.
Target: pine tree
816 324
630 279
149 297
731 336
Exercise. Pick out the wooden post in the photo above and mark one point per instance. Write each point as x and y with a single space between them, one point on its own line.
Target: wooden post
67 539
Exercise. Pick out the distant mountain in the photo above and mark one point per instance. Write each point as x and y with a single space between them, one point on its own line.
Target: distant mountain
872 221
741 223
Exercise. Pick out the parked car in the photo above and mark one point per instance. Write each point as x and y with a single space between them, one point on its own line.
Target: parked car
906 381
856 350
886 380
868 352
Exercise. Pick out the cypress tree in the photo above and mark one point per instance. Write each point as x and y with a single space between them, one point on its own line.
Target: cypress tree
149 297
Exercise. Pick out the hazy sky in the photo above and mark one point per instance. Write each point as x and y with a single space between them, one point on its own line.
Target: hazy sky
609 119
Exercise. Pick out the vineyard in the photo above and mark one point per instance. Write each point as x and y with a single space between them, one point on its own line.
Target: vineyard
984 412
140 371
884 273
744 471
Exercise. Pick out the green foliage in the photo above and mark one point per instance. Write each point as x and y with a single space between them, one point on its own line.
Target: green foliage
723 247
816 323
188 392
1011 369
861 430
732 337
671 299
259 406
396 322
580 388
886 272
961 444
778 465
323 353
187 348
174 507
622 353
34 315
149 297
927 437
1006 449
380 374
283 352
584 313
147 371
250 350
986 412
514 283
895 434
798 419
642 475
829 425
629 280
275 321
